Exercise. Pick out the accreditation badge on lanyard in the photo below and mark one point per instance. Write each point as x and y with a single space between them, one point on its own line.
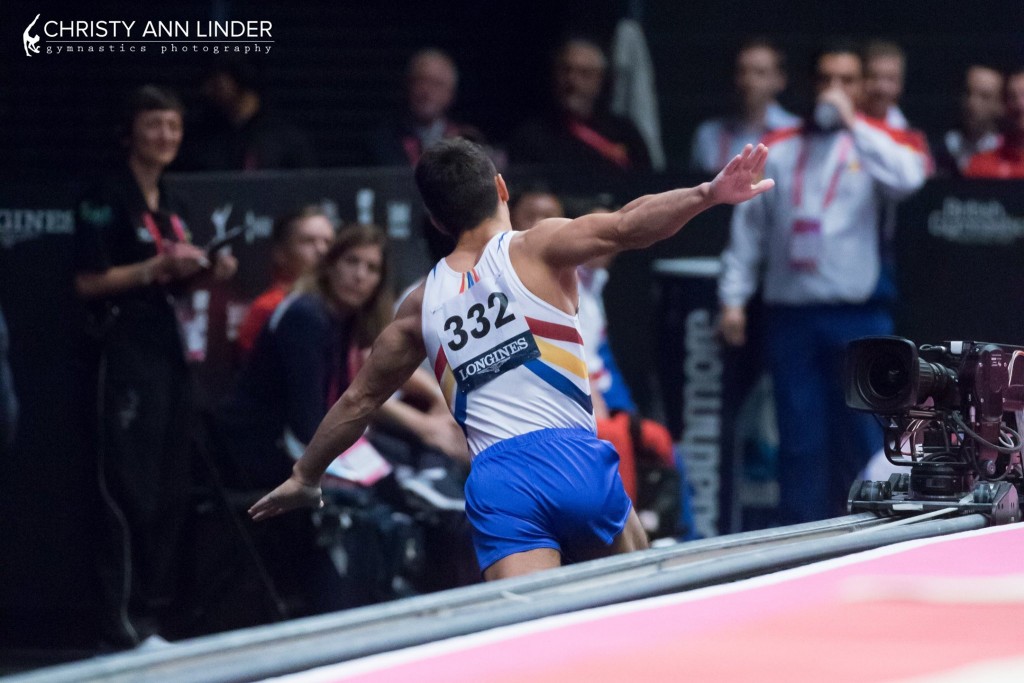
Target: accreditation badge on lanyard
806 243
192 312
484 334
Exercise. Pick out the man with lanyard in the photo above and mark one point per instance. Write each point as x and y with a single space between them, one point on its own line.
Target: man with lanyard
431 83
497 321
818 243
579 133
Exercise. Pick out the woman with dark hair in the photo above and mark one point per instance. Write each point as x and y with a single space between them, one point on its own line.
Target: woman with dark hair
134 261
305 354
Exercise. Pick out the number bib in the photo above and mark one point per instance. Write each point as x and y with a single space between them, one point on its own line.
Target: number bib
484 335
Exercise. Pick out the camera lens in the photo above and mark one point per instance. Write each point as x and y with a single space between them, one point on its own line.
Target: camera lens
887 376
881 374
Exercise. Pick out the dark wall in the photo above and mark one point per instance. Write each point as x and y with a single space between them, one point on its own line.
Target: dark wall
335 70
337 67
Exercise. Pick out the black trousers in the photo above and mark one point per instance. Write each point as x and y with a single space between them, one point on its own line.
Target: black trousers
145 478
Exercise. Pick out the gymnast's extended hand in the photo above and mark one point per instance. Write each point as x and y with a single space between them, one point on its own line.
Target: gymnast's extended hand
741 179
290 495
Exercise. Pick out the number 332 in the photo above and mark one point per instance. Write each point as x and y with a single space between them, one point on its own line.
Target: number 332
476 314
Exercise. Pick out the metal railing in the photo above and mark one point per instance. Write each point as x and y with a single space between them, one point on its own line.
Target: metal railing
278 649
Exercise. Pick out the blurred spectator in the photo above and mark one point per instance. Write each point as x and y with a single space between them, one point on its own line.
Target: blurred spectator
532 205
305 356
133 256
240 133
759 78
1007 160
431 83
981 111
297 242
815 243
885 65
8 397
579 133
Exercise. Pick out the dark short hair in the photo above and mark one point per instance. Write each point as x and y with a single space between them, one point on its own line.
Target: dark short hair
455 178
243 72
883 48
148 98
530 187
433 52
284 223
839 46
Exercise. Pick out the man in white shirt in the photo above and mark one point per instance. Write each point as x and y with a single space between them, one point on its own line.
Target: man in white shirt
815 246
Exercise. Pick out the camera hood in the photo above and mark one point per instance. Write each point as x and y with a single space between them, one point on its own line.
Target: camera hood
881 374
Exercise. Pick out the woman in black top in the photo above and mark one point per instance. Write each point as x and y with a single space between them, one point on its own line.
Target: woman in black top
133 260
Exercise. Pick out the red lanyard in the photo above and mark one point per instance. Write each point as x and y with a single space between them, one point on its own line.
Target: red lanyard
612 151
413 148
154 231
845 145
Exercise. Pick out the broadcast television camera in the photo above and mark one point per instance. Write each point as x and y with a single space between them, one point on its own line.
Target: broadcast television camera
953 414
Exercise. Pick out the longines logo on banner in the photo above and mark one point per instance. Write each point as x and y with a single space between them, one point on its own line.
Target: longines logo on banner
24 225
61 36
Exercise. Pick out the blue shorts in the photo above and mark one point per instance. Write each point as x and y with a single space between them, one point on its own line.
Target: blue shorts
552 488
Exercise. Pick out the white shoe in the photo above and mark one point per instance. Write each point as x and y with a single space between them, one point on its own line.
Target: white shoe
153 642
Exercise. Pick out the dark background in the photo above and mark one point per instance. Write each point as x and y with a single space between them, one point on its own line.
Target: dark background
337 67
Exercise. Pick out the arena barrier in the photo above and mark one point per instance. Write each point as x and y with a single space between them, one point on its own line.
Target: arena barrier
291 647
